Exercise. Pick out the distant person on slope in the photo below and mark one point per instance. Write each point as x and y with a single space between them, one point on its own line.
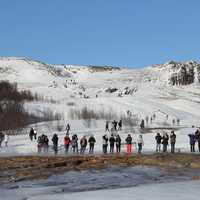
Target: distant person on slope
68 128
35 134
107 125
6 139
46 144
120 125
129 144
1 138
39 145
142 124
147 119
31 134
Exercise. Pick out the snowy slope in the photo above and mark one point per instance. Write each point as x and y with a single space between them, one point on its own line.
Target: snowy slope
149 92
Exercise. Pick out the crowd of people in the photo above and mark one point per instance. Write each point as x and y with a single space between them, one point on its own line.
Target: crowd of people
111 141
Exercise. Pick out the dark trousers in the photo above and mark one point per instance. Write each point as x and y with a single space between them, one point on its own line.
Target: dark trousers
112 148
118 148
55 148
199 145
105 146
91 148
164 147
66 148
139 147
172 147
82 150
192 147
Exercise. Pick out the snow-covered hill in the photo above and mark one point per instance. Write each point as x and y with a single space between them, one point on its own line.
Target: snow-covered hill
142 92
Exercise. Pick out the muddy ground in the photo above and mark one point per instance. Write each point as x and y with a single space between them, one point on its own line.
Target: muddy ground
14 169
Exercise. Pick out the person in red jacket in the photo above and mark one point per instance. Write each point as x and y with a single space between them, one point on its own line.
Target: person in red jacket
129 144
67 142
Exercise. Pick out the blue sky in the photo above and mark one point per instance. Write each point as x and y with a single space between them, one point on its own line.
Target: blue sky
133 33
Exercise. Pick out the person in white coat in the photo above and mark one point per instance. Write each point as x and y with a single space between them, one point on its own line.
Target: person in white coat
6 139
140 143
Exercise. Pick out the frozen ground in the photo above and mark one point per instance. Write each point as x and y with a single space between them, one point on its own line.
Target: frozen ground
136 181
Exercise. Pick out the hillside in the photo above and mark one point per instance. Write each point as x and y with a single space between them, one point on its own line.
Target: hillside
87 96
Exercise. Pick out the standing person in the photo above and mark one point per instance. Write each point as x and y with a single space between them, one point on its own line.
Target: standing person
68 128
67 142
92 142
105 144
74 143
35 134
165 141
140 143
151 120
55 143
129 144
39 144
158 139
172 141
173 121
178 121
83 143
142 124
6 139
112 143
147 119
197 136
107 125
118 144
46 144
1 138
192 142
115 124
31 134
154 116
120 125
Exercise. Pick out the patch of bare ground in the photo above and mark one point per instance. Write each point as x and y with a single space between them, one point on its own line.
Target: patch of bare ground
41 167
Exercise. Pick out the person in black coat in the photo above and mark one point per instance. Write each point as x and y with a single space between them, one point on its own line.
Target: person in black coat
55 143
91 142
172 141
158 139
192 142
1 138
118 144
112 143
105 144
197 136
165 142
31 134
